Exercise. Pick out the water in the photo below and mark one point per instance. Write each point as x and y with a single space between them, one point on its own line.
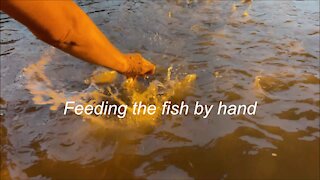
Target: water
265 51
104 88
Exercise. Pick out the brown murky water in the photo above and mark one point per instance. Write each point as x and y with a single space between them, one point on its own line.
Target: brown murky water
265 51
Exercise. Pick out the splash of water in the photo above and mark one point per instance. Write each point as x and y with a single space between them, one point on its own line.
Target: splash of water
102 87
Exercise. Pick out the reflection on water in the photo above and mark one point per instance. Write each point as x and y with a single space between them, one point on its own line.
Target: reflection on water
241 52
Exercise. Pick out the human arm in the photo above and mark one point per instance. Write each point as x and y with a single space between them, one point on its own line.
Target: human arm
64 25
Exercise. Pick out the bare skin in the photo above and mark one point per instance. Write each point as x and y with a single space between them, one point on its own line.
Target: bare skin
64 25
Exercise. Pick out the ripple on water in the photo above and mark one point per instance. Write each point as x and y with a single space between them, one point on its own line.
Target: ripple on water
241 51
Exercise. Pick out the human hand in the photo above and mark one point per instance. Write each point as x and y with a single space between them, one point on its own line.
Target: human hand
138 66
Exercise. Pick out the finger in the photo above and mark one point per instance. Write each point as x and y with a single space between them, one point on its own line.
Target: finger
150 69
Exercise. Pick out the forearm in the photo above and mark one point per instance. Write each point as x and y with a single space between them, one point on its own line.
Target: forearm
64 25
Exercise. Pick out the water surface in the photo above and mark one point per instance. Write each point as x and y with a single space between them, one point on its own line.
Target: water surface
265 51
